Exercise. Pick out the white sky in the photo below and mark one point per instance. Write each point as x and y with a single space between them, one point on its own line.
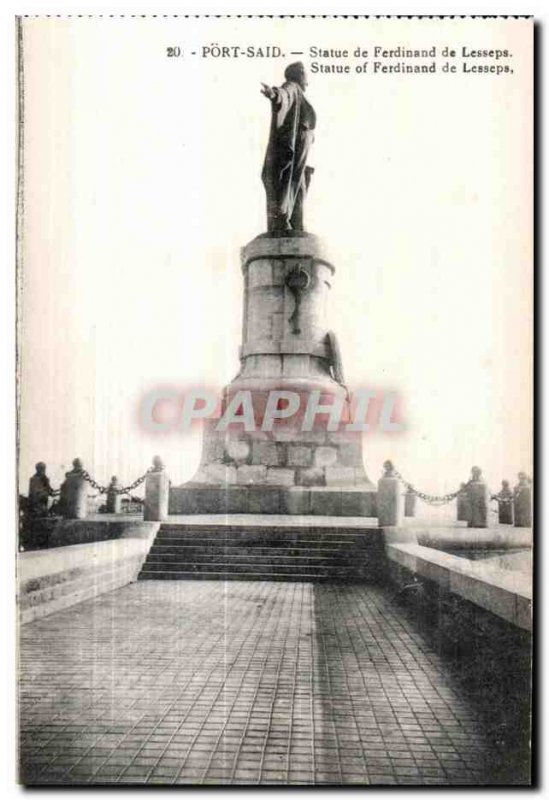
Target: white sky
142 183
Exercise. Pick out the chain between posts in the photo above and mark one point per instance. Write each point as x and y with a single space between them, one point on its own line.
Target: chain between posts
431 499
114 489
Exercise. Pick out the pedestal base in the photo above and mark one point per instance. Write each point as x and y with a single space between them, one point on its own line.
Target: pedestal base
283 463
284 457
194 498
284 472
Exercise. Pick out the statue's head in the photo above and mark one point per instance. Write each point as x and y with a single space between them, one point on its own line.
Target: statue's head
476 472
296 72
522 476
77 464
158 464
40 468
114 481
505 484
389 469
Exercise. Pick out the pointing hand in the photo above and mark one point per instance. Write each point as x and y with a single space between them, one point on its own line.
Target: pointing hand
267 91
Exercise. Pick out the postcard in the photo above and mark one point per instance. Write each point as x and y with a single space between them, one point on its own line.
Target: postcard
275 391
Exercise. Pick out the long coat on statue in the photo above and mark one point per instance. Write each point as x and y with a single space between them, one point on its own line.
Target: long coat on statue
285 173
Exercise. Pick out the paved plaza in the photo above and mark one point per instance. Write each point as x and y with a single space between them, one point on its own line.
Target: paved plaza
206 682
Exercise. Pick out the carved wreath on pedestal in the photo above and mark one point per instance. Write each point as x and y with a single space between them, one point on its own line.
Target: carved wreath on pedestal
297 281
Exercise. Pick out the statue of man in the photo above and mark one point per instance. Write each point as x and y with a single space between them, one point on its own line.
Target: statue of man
476 475
286 175
505 504
39 491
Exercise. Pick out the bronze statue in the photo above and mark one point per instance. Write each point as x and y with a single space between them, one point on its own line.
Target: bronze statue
286 175
476 475
39 491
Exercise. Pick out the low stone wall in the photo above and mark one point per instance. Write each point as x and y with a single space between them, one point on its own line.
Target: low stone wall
448 539
100 528
59 532
489 655
53 579
503 592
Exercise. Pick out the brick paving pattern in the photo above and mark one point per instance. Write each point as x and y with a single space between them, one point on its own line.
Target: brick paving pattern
241 683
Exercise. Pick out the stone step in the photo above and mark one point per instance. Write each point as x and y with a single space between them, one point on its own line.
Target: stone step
251 563
220 544
265 530
265 538
239 576
260 552
188 550
251 568
248 558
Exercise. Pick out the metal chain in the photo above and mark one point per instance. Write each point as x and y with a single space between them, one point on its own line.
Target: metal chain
504 501
104 489
114 490
431 499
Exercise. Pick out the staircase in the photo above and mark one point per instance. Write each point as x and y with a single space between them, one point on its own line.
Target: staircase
289 552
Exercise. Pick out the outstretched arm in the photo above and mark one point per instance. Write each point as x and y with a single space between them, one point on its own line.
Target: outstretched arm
268 91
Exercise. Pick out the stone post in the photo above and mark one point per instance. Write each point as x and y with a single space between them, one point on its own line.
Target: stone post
463 505
114 500
157 490
74 493
389 498
523 502
505 504
478 496
410 499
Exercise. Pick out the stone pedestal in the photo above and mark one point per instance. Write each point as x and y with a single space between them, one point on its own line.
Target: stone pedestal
478 496
114 503
286 346
523 507
74 497
410 501
463 506
505 511
157 489
390 502
287 282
